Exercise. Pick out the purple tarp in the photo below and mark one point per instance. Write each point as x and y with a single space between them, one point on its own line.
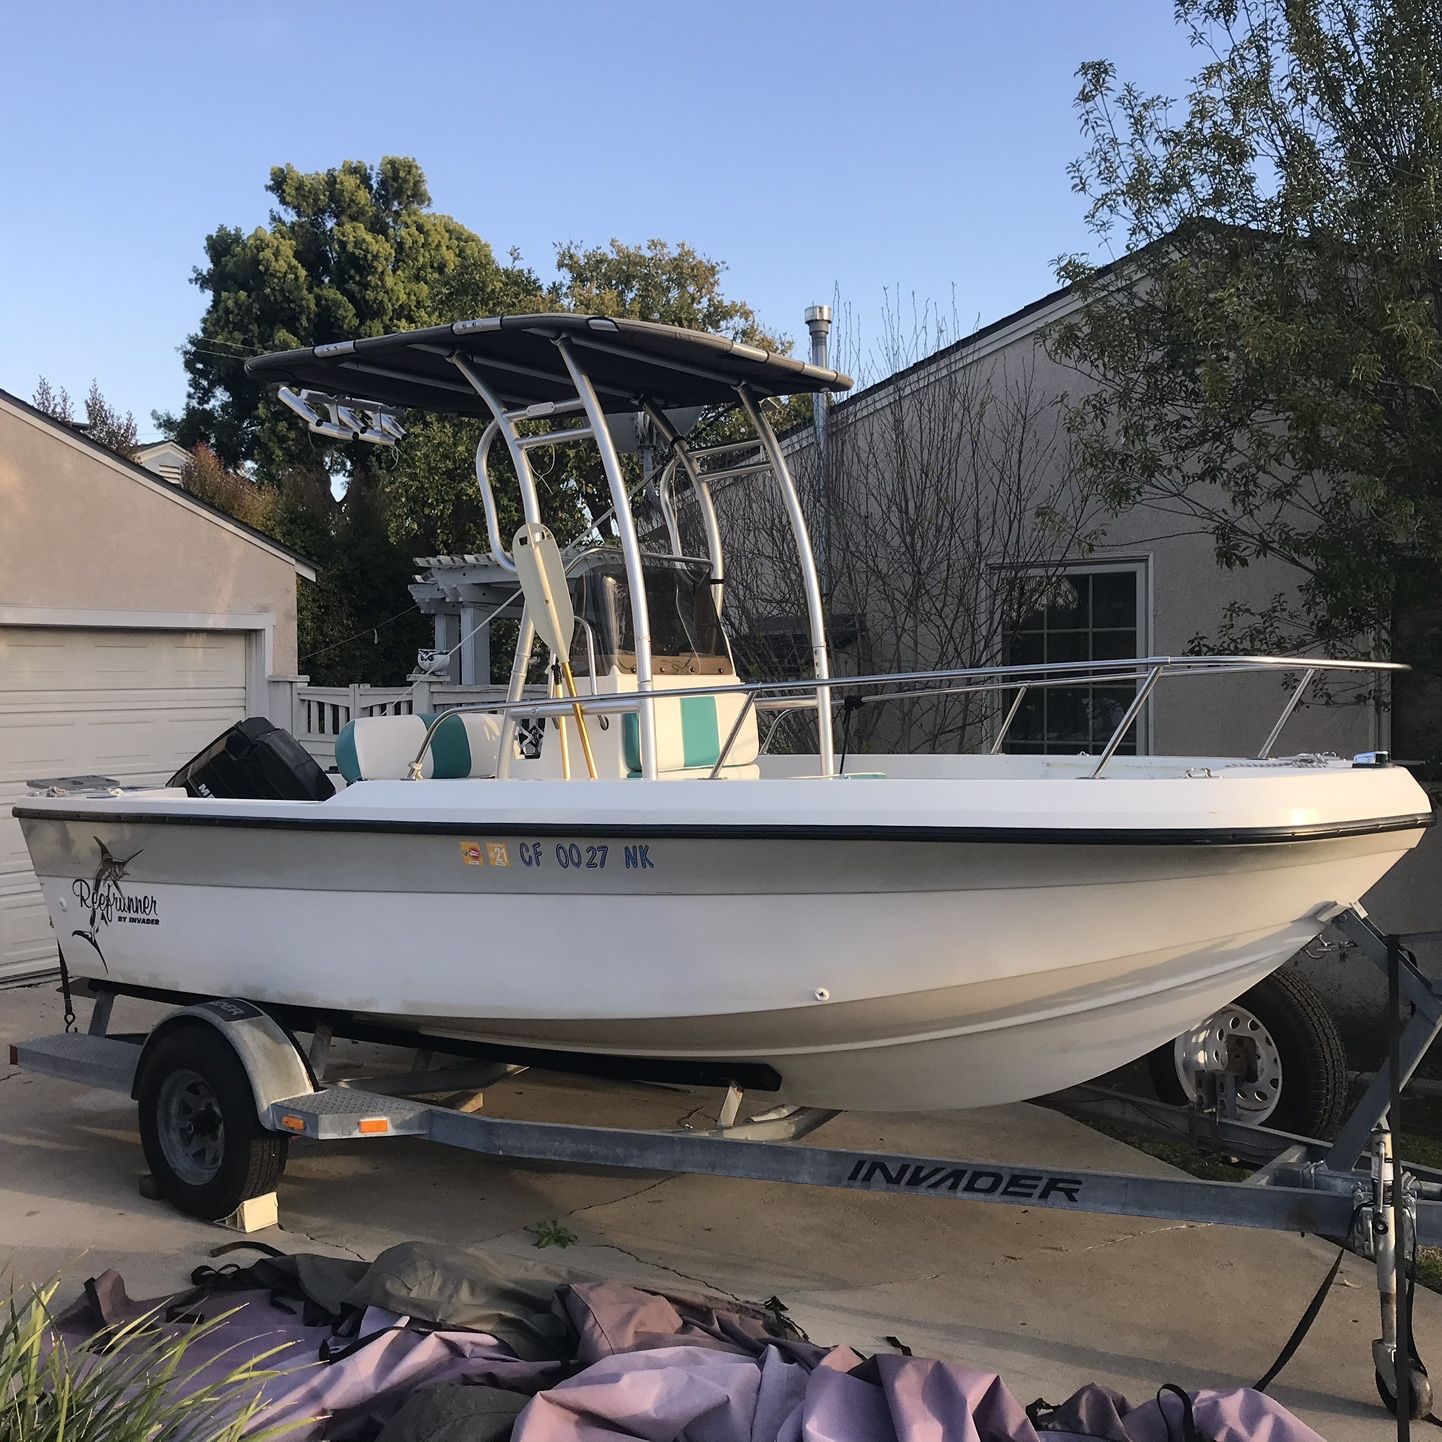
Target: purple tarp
640 1366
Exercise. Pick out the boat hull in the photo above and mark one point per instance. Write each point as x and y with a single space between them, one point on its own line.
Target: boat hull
885 972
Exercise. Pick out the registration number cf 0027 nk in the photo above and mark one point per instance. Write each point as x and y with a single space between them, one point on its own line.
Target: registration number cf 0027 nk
586 855
561 855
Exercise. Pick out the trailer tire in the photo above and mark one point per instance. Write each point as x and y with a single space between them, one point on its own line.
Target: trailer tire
202 1139
1303 1046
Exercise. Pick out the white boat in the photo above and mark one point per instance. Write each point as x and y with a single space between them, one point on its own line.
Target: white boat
886 932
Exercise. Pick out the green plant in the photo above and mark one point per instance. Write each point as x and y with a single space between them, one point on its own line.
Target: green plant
549 1233
129 1383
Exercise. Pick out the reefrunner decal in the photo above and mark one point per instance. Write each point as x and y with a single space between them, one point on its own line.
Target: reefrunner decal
903 1176
108 902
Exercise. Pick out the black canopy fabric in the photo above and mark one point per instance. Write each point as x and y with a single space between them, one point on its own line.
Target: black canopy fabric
517 356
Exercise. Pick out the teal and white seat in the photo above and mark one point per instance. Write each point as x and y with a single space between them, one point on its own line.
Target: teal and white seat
690 734
383 748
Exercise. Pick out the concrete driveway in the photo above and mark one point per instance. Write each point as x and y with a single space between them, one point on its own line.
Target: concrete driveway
1047 1299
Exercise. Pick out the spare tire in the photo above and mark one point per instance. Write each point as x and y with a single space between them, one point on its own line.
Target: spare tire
1297 1080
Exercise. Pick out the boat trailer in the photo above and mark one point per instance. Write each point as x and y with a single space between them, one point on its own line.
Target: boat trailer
1375 1208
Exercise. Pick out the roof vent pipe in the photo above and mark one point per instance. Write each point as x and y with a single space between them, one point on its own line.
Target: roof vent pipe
818 322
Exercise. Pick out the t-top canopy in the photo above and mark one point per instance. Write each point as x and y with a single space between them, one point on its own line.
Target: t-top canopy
516 355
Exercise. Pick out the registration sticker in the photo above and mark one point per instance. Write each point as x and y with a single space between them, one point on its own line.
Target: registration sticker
497 853
472 854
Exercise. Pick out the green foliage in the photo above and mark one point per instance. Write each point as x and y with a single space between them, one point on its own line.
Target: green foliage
1266 364
129 1384
205 475
660 282
358 251
348 252
552 1233
351 251
54 401
347 621
674 285
103 422
359 623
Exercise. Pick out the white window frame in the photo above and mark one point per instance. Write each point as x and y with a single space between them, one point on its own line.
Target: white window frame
1140 567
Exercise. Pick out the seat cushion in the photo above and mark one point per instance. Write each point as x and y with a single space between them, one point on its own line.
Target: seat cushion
383 748
690 732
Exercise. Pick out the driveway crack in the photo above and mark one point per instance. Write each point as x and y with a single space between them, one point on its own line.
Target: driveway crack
321 1242
684 1276
1148 1232
612 1201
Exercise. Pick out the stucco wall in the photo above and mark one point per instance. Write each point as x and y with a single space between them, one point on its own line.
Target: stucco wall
1188 592
78 533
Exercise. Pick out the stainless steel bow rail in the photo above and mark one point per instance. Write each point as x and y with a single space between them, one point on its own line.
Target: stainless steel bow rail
1347 1189
1144 673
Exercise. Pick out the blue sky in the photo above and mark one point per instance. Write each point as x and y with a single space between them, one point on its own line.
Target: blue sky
847 149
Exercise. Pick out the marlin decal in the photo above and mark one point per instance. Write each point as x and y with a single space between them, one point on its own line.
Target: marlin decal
102 893
111 871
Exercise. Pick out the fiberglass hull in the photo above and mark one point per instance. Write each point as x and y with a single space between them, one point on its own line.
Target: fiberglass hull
873 968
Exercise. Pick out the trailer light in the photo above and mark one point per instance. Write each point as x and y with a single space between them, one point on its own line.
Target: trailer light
293 1124
373 1126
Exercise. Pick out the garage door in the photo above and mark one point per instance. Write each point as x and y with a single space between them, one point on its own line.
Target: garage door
127 704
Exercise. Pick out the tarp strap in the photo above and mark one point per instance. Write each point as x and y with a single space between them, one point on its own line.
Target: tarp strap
1304 1326
65 991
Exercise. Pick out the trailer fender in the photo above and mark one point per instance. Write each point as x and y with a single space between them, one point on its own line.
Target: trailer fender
273 1061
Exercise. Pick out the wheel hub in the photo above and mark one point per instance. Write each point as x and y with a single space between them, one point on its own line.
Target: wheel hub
1233 1040
190 1126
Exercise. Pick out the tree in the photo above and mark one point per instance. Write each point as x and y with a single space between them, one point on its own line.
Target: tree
205 475
103 422
1265 364
354 251
348 622
672 285
675 285
54 401
951 504
348 252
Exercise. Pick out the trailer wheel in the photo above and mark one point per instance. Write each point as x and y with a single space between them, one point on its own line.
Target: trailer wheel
1297 1066
202 1138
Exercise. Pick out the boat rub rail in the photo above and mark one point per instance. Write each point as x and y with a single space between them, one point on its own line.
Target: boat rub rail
1016 835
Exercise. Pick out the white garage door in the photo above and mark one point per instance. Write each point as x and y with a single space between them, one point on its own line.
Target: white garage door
127 704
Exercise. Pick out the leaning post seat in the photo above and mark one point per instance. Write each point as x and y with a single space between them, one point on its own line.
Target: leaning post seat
382 748
690 734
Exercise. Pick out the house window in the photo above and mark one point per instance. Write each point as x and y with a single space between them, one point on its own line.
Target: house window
1416 733
1090 613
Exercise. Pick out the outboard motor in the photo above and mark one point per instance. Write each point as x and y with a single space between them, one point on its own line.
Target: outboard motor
255 761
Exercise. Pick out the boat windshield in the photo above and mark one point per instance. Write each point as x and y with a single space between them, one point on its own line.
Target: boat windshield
687 638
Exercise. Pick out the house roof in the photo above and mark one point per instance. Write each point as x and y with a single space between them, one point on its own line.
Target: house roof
1033 309
303 564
